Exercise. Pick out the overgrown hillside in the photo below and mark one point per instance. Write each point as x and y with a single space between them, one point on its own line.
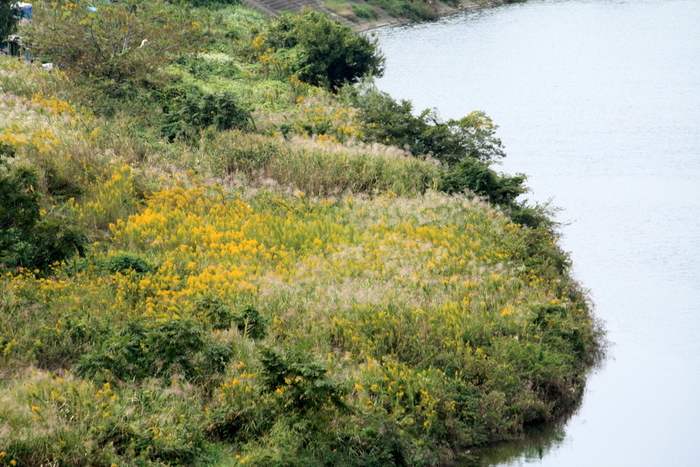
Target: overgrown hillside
215 250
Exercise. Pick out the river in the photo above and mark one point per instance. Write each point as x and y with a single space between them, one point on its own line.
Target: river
598 101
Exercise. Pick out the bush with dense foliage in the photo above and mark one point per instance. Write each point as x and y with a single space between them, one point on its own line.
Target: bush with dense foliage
186 117
467 148
29 239
390 122
8 18
321 51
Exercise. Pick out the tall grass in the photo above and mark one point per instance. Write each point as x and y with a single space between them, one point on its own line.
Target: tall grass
414 313
319 167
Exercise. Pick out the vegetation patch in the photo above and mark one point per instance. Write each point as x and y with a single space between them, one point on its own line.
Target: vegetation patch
233 256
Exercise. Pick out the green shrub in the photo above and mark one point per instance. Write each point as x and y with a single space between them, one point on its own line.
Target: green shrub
122 262
467 148
478 177
302 384
28 239
20 200
534 216
327 54
8 18
214 312
185 118
293 395
61 186
251 323
51 420
154 350
202 68
387 121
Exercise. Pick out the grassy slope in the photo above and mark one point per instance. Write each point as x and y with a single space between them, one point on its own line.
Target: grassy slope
372 14
300 301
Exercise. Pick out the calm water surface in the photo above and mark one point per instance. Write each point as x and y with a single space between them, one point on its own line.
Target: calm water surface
598 101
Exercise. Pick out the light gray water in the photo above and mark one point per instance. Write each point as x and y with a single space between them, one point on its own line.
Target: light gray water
598 101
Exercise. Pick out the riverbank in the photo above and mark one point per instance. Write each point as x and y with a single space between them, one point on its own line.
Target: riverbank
358 15
280 286
632 228
442 9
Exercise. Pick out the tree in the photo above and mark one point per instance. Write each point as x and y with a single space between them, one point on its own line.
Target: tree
390 122
9 16
113 41
326 52
467 148
484 181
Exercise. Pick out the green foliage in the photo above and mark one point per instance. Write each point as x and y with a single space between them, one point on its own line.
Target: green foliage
122 262
325 53
8 18
534 216
187 116
478 177
183 443
303 385
387 121
373 444
467 147
66 421
364 11
214 312
154 350
28 239
251 323
541 253
294 396
20 200
118 42
410 9
377 443
60 185
476 134
204 69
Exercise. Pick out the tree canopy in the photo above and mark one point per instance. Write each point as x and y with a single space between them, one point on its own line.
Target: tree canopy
116 41
326 53
390 122
467 148
8 18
